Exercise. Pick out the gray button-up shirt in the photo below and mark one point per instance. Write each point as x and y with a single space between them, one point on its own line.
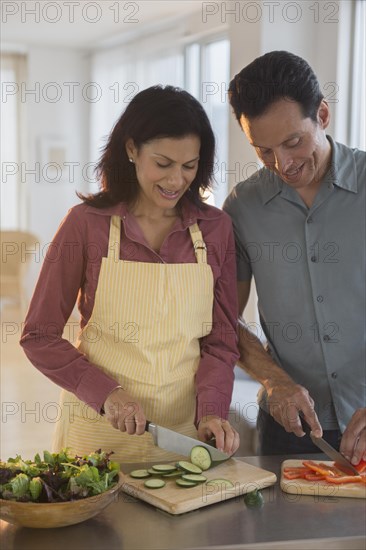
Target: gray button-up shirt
309 269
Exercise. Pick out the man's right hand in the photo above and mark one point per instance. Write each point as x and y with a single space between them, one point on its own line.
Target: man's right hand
124 412
286 400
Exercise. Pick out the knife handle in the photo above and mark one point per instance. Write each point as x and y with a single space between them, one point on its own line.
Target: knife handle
150 425
304 424
151 428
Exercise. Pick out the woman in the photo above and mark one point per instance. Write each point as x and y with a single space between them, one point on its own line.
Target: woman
153 270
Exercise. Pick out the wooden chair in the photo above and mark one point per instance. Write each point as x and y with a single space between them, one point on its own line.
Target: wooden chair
18 250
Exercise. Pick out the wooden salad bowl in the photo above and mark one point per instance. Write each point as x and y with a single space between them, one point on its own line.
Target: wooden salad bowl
57 514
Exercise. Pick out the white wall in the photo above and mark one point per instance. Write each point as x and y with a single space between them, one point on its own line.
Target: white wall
66 119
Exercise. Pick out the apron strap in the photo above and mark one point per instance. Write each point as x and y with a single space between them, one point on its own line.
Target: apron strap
114 243
200 248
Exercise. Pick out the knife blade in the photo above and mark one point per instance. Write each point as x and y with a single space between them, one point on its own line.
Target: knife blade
338 458
330 451
179 443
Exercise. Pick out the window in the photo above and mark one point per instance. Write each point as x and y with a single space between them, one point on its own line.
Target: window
358 91
207 78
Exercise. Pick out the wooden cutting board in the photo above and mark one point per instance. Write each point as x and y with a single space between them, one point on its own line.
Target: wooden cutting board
178 500
319 488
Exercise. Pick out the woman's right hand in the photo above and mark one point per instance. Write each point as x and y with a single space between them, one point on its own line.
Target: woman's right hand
124 412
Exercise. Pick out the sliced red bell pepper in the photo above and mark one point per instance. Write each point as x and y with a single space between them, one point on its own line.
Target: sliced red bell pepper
322 469
302 470
318 471
361 466
299 474
314 477
292 475
335 470
343 479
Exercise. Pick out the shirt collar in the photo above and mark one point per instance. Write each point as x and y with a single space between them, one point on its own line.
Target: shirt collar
342 173
272 185
191 213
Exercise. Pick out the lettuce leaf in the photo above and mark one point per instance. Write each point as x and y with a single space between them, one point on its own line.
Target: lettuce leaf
20 485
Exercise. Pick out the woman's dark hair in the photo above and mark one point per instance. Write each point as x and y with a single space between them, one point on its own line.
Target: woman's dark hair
273 76
157 112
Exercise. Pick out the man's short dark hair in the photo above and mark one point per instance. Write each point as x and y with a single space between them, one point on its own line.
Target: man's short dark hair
273 76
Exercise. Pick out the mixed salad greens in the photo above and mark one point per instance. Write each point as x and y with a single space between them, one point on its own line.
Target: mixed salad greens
59 477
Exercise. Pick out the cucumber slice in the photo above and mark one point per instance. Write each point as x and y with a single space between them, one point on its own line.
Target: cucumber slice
185 483
197 478
223 483
200 456
154 483
164 468
153 472
139 474
172 474
189 467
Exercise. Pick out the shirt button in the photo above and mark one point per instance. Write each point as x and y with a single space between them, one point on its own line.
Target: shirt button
320 298
334 375
326 338
309 220
313 259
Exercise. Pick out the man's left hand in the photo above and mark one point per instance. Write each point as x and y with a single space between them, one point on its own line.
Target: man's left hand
353 444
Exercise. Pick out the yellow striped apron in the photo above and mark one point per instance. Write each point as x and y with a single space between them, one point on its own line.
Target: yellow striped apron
144 332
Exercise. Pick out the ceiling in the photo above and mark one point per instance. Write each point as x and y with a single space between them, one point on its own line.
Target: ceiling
85 24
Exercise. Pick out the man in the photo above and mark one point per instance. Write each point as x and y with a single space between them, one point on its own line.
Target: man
300 230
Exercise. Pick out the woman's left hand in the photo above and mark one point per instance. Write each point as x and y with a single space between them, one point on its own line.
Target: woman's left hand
227 439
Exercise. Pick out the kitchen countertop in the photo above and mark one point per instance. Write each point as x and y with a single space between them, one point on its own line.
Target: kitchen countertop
285 521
